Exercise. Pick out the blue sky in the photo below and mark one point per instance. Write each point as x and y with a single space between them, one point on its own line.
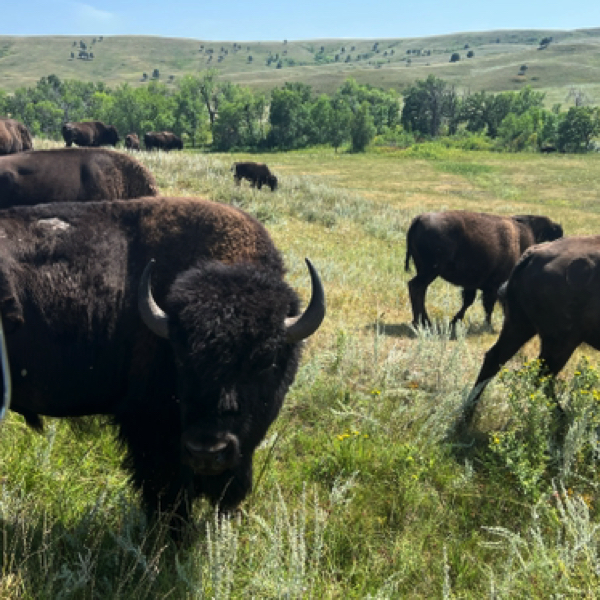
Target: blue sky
241 20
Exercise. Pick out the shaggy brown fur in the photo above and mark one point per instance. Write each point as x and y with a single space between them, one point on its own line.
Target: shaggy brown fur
476 251
132 141
553 292
89 133
190 404
165 140
14 136
72 175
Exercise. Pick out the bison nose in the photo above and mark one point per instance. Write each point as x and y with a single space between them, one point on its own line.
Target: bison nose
214 457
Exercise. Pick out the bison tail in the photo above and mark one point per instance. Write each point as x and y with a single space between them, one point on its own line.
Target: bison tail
409 239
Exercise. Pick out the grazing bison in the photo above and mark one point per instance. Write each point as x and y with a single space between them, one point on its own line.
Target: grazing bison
14 136
132 141
165 140
89 133
476 251
553 292
76 175
257 173
192 367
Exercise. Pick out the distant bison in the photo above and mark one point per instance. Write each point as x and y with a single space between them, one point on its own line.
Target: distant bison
548 149
132 141
89 133
164 140
191 363
76 175
553 292
14 136
257 173
476 251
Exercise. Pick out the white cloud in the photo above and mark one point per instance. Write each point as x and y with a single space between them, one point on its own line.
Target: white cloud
89 17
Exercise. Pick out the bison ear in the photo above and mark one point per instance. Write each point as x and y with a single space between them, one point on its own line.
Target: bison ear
152 315
303 326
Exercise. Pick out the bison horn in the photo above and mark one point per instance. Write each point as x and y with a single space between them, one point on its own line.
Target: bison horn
152 315
300 327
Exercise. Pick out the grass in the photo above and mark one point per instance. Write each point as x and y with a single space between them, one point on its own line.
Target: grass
573 59
361 492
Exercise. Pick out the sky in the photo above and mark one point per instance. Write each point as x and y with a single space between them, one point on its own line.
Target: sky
249 20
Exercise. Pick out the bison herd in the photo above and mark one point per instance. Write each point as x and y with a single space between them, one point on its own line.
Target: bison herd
172 316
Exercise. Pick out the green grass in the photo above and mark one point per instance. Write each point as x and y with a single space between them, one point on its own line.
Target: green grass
361 492
573 59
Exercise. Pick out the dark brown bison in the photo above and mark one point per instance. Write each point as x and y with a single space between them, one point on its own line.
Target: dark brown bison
76 175
476 251
257 173
192 367
14 136
132 141
165 140
89 133
553 292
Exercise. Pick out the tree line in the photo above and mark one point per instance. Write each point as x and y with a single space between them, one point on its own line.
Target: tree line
206 111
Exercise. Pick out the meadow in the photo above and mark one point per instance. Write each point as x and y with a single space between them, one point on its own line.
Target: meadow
362 488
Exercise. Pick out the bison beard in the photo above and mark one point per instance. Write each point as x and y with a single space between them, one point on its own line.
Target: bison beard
552 292
476 251
192 386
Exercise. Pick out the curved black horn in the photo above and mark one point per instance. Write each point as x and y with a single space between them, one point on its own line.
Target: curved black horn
300 327
152 315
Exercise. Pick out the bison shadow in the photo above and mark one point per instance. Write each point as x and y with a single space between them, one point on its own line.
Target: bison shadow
442 329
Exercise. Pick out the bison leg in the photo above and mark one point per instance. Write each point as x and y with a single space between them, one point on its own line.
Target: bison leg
512 337
154 461
238 180
555 353
488 300
417 289
468 296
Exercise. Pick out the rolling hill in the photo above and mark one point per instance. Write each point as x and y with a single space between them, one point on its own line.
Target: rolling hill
571 59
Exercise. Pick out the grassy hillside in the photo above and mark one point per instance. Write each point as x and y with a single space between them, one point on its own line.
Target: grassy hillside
361 491
573 58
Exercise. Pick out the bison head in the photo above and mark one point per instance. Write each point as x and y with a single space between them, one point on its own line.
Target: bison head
235 339
272 182
112 135
543 228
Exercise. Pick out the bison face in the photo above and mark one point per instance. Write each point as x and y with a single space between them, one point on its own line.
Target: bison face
235 340
272 182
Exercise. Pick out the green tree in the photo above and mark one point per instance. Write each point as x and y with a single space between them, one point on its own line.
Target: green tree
190 112
577 128
363 128
241 120
289 116
426 104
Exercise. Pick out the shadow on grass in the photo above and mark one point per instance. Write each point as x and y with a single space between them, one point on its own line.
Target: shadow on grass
400 330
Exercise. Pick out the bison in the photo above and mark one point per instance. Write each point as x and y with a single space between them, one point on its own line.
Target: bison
132 141
76 175
191 367
89 133
257 173
165 140
14 136
553 292
476 251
